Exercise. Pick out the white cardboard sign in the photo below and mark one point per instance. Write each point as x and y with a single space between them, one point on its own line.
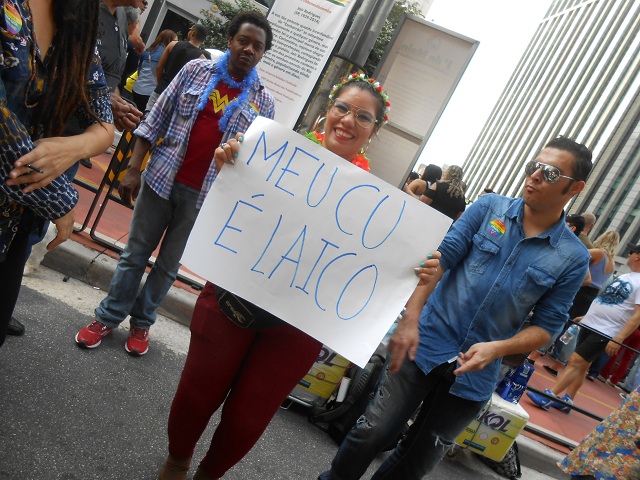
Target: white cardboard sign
313 239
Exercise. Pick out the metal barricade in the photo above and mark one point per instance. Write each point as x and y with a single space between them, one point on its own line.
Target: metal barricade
573 407
110 180
107 191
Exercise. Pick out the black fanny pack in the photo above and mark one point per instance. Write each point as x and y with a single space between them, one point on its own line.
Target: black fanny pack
244 314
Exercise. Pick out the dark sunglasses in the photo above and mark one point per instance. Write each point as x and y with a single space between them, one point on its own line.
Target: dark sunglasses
550 174
364 118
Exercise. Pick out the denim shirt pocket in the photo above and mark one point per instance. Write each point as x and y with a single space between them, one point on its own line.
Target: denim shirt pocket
484 251
533 284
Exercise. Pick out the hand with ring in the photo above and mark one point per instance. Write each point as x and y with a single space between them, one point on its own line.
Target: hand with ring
428 269
227 152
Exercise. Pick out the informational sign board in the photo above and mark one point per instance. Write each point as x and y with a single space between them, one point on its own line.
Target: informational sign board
420 70
304 35
313 239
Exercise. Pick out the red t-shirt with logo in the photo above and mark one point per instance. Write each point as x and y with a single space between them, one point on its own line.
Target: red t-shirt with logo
205 137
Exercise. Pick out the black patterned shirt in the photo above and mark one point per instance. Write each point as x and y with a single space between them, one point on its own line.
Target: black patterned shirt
23 77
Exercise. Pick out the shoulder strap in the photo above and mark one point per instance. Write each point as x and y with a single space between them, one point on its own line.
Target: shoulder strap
518 469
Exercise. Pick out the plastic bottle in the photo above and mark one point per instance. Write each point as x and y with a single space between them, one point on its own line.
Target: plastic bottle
568 335
387 338
514 383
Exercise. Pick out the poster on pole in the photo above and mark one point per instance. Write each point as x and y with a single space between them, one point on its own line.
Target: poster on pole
304 35
420 71
313 239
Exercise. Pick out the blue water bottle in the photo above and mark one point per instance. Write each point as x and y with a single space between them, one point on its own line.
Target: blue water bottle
514 383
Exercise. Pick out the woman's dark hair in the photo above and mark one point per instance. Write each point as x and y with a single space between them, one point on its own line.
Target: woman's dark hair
75 43
368 87
165 37
432 173
254 18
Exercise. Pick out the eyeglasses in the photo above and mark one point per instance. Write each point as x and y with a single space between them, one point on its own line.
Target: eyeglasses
364 118
550 174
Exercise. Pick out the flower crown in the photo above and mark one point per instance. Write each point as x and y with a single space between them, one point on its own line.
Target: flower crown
355 77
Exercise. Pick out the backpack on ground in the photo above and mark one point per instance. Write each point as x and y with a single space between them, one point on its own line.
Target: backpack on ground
509 466
337 419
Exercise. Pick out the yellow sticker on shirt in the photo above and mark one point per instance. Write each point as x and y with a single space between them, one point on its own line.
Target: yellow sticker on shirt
12 18
219 103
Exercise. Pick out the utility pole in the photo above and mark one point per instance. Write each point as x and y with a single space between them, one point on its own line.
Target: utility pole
353 54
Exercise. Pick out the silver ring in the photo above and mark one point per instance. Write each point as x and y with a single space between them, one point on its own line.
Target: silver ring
222 145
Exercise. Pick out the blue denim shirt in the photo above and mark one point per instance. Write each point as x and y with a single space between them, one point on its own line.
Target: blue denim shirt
495 276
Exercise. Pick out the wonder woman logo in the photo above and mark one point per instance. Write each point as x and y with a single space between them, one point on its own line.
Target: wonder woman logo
219 103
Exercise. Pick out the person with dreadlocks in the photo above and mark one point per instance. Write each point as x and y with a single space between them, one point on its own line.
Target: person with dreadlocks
447 195
45 80
204 106
235 365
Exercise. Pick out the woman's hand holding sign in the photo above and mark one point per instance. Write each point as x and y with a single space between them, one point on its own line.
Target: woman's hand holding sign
428 269
228 152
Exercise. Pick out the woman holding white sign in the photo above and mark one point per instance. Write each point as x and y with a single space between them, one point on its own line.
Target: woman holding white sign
241 354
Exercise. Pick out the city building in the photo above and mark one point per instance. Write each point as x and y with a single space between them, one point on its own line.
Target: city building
578 77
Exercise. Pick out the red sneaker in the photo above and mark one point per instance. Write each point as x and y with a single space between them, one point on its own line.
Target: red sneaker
138 341
91 336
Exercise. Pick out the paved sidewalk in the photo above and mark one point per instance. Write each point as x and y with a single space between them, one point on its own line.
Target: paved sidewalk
96 267
100 414
84 259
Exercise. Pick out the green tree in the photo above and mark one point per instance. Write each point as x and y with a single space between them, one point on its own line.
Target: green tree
216 21
388 30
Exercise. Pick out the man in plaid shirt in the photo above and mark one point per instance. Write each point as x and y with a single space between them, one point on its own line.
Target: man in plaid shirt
206 104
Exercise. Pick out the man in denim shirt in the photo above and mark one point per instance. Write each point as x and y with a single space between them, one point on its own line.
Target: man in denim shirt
501 259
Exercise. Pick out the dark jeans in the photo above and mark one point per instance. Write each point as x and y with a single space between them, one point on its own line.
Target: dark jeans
11 274
441 419
140 101
598 364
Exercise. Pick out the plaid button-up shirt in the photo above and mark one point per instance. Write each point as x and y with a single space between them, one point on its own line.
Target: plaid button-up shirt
173 115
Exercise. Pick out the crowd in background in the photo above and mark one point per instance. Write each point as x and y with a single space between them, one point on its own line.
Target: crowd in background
446 351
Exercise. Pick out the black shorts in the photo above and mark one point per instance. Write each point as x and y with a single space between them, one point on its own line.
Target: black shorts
590 344
582 301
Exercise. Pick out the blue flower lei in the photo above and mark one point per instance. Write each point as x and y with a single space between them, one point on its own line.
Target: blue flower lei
222 74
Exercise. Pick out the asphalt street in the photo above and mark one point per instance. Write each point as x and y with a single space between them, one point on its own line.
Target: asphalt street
68 413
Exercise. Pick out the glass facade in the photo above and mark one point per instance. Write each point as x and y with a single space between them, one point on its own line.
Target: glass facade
579 77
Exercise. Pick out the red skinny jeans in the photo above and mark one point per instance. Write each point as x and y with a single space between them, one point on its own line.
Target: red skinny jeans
251 370
618 373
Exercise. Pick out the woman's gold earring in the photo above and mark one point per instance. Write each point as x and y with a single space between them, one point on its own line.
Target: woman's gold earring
319 124
364 149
